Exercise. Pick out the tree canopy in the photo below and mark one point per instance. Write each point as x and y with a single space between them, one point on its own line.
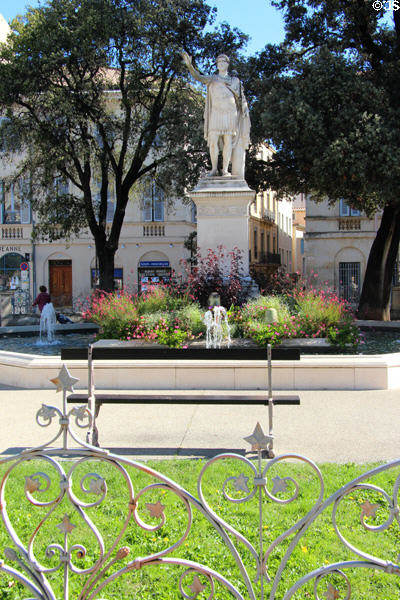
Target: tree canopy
328 102
95 93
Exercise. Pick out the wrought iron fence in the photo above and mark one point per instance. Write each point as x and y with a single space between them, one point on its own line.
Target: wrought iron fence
70 495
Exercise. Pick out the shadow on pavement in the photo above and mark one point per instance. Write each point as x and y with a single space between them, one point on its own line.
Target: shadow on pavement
157 452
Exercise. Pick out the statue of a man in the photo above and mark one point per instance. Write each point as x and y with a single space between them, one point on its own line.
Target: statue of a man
226 117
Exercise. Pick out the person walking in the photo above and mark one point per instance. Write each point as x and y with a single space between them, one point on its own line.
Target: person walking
42 299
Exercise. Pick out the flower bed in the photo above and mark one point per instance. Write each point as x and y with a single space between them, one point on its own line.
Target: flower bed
172 316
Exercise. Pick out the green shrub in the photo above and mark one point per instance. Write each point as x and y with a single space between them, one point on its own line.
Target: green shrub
255 308
113 312
191 318
344 335
319 306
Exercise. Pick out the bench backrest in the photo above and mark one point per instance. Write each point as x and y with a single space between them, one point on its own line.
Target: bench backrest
157 353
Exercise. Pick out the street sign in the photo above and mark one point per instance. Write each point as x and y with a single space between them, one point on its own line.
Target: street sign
24 266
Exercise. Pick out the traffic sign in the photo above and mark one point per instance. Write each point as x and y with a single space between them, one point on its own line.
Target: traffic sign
24 266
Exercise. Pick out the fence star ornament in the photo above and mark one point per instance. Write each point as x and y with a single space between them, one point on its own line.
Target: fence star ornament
64 381
332 593
258 439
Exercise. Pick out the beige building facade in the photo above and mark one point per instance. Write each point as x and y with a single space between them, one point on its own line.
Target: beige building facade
338 240
274 233
151 248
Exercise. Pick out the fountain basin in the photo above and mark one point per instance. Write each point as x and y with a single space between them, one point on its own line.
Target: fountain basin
314 372
317 371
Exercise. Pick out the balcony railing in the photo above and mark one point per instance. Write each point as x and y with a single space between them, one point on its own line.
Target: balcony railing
12 232
269 258
349 223
268 215
153 230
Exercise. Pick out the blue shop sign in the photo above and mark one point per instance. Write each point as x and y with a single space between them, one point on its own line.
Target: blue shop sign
154 263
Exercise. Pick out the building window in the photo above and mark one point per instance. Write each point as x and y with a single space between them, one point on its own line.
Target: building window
349 281
10 271
346 211
153 203
118 278
262 242
15 207
255 245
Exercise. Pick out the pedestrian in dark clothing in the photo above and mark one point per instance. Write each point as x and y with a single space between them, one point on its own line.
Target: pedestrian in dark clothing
42 298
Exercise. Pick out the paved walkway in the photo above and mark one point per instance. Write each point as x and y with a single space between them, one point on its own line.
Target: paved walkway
328 426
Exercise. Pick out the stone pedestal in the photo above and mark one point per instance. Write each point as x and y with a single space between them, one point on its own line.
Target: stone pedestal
223 215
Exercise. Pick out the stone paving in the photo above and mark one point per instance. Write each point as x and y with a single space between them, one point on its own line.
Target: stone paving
328 426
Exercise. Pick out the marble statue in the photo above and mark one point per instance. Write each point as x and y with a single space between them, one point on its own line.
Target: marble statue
226 117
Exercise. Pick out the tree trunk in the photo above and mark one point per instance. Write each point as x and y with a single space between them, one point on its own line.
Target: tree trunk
105 257
375 295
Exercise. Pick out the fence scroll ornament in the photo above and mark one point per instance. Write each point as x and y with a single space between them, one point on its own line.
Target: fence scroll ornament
49 557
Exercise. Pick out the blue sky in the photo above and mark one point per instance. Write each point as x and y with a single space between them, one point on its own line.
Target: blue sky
257 18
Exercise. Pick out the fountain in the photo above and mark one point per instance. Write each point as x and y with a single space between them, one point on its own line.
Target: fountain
215 319
48 323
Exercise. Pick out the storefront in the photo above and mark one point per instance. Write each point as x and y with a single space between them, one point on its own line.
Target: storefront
153 272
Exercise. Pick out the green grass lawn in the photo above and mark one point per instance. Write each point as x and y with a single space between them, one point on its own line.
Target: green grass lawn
318 547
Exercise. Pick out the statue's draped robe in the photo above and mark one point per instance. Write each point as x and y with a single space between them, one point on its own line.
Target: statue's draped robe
226 111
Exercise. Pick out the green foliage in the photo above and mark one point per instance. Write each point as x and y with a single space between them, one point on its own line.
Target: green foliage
191 318
165 316
161 315
302 314
346 334
113 312
319 306
328 100
255 308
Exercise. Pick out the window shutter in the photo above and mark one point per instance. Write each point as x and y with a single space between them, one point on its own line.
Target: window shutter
158 204
344 208
147 209
25 211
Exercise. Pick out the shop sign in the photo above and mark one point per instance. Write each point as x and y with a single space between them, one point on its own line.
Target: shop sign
10 248
154 263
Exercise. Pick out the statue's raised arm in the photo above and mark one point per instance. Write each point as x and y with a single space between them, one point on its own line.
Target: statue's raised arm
226 117
187 59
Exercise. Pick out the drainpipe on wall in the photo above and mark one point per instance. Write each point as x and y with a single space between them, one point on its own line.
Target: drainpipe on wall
33 262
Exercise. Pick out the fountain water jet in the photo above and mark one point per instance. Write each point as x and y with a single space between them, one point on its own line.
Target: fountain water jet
215 319
48 323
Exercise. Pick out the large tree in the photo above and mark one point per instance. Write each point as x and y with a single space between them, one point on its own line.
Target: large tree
96 95
329 102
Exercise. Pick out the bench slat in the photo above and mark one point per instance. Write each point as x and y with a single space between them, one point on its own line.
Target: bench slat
156 353
252 399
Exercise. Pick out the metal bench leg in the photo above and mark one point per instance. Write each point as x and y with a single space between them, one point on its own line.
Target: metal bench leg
270 451
92 436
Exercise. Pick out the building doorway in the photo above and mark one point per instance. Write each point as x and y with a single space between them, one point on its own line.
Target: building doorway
60 279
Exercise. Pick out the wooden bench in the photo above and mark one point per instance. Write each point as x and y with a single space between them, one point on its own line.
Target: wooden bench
114 350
